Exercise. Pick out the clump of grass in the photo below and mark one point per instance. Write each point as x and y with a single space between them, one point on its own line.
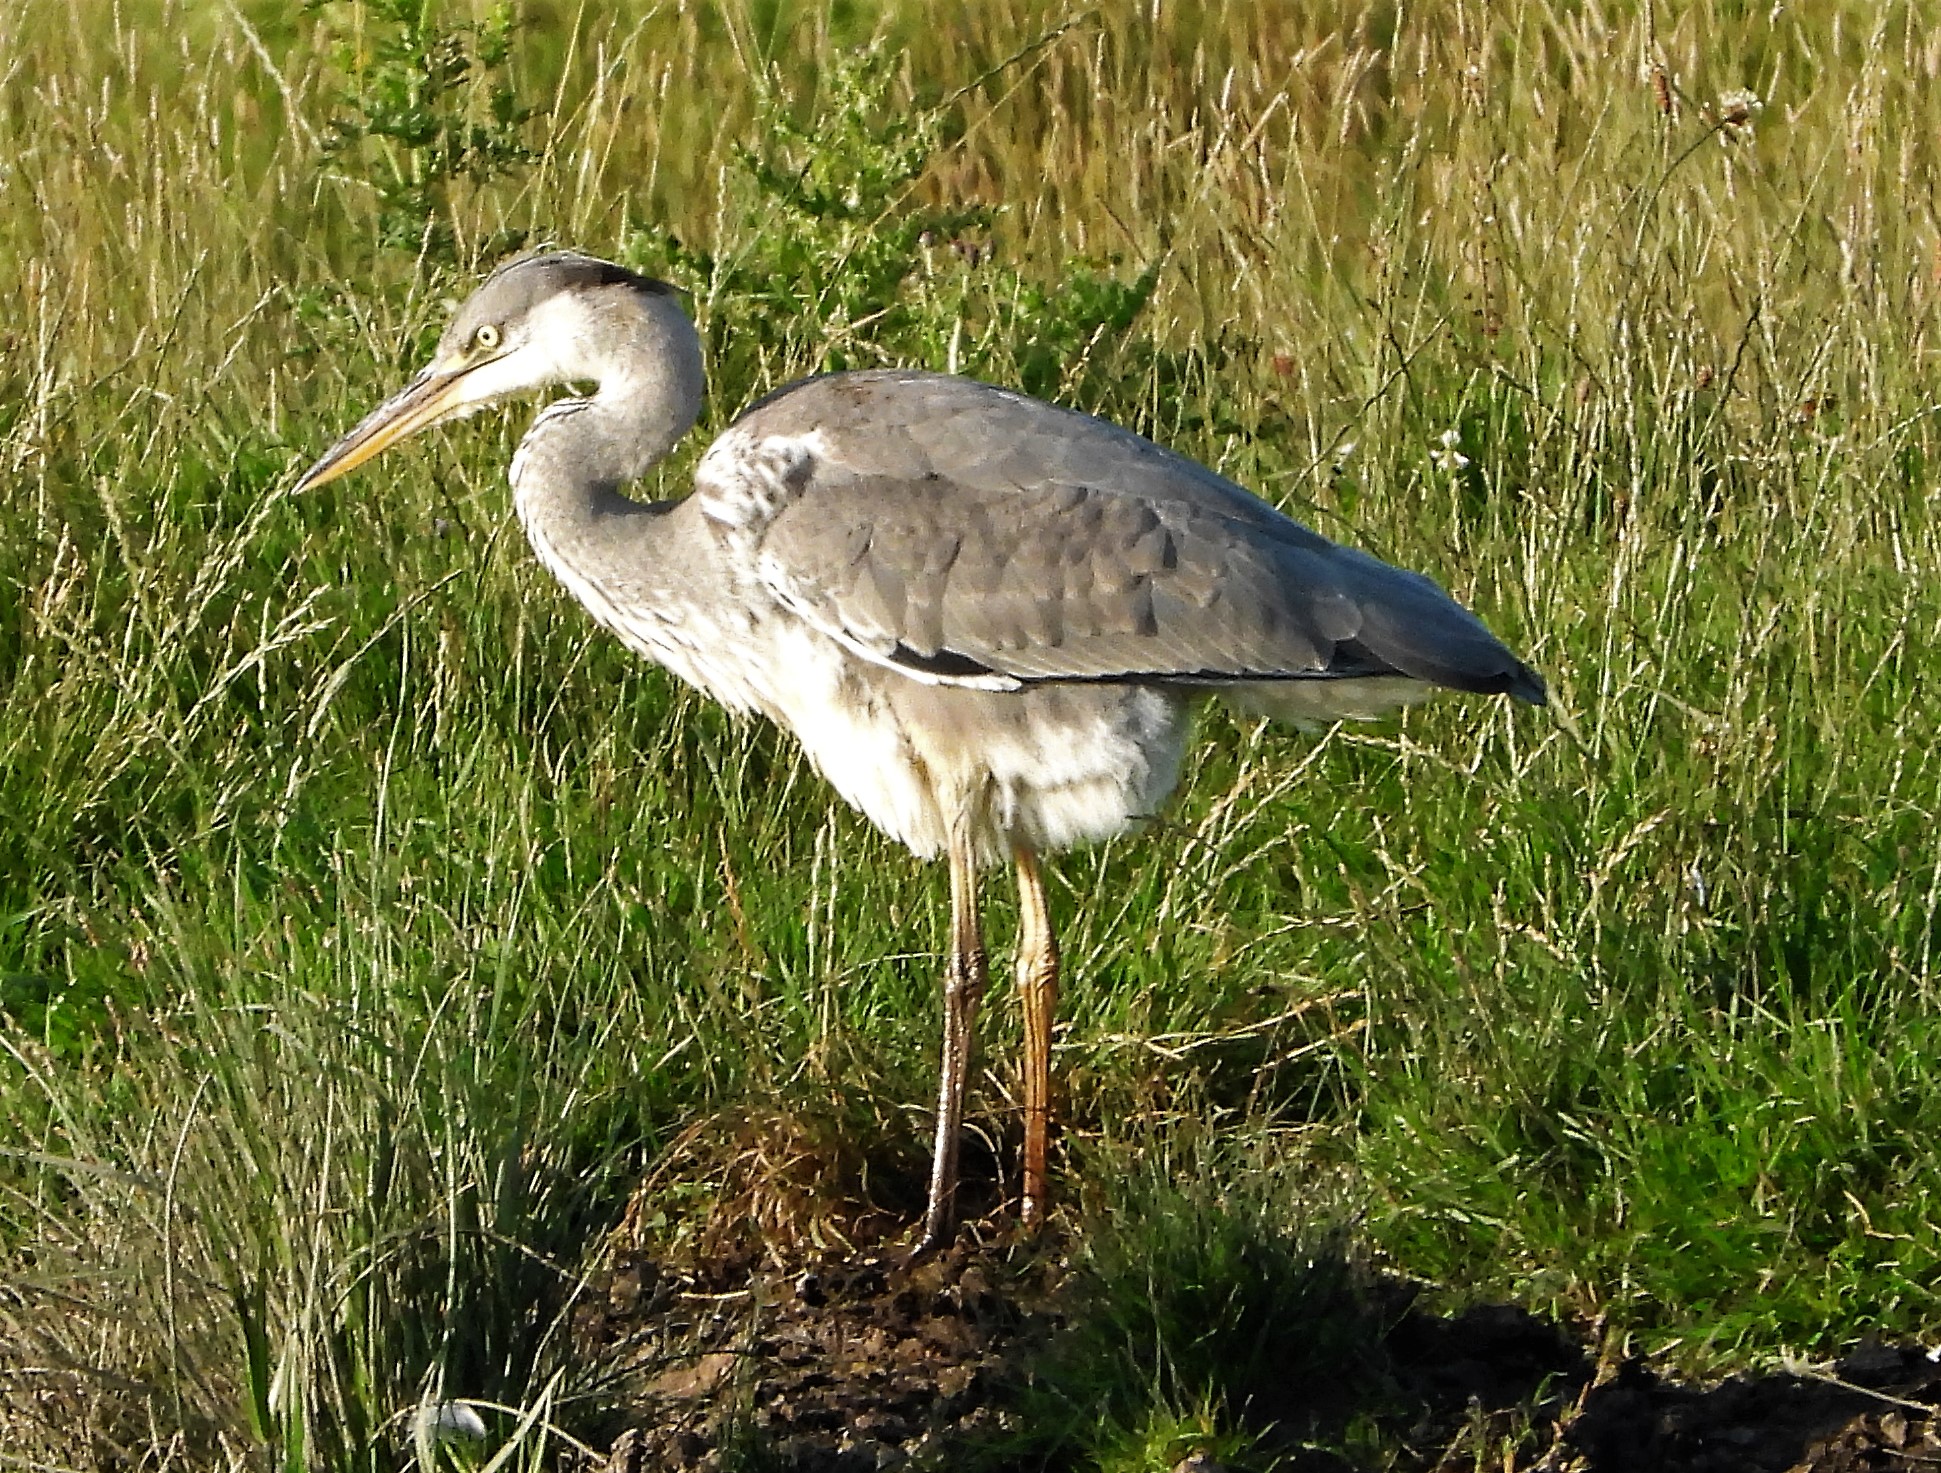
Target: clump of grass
303 1212
1218 1305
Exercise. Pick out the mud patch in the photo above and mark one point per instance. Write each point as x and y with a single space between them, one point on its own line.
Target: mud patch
1875 1409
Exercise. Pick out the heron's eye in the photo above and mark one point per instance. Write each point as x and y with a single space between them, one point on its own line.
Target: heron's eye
486 338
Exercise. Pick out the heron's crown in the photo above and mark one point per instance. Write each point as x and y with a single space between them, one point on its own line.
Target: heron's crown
510 294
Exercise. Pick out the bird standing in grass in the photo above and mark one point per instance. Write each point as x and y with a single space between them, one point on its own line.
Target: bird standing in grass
986 619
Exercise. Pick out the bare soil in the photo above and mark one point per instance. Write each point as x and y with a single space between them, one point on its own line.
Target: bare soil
854 1361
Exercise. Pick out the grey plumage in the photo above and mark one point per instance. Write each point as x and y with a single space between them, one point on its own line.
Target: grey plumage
986 618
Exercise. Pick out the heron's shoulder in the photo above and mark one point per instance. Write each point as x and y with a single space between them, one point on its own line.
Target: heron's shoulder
865 398
879 426
908 425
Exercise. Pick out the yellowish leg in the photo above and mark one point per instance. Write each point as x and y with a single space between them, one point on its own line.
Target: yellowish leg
1038 991
965 978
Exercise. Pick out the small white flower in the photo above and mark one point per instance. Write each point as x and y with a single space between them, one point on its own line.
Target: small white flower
1449 458
1736 111
446 1421
1695 877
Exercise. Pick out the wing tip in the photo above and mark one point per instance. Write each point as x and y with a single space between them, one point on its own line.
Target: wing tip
1524 684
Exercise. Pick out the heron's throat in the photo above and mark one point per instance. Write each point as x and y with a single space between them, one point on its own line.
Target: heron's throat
581 452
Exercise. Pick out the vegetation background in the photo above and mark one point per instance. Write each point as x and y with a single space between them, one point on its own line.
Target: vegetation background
374 934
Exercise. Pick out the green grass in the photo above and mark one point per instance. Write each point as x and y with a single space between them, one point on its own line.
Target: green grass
371 927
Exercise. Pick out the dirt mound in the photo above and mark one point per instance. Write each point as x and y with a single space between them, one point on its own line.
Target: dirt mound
852 1363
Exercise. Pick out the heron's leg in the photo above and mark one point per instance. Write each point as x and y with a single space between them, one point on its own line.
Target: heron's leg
1038 990
964 981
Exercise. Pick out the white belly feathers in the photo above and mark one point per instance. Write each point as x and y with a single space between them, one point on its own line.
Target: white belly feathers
1045 767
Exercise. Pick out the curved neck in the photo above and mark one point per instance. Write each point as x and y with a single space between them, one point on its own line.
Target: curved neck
645 358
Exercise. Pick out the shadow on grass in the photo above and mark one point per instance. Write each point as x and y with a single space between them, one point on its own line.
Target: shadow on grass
993 1358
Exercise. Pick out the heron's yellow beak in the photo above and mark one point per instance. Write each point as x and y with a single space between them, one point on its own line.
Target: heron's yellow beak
435 394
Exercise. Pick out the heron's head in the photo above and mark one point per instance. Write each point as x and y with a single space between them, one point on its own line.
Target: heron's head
539 321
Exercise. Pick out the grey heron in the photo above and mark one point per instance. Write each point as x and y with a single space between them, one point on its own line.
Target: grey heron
987 619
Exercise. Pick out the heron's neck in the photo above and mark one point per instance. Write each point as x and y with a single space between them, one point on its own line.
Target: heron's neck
644 570
645 356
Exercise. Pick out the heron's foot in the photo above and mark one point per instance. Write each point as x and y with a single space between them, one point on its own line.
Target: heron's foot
927 1247
939 1228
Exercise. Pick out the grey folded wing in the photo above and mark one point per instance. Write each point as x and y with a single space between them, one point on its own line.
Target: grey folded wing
974 537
